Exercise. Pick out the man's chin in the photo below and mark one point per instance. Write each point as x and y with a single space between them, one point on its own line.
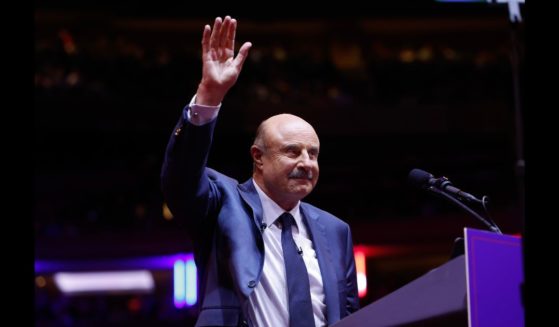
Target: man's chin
302 188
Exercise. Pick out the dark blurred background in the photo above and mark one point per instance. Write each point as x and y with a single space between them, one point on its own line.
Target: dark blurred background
388 88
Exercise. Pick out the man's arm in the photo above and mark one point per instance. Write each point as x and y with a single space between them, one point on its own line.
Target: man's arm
184 181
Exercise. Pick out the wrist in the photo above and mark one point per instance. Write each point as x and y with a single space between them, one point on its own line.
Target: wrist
208 96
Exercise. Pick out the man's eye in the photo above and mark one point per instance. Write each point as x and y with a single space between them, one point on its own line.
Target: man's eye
291 150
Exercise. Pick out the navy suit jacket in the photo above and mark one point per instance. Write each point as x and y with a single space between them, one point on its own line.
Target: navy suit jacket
224 220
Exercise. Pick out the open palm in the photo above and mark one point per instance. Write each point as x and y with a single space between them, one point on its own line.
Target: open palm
220 66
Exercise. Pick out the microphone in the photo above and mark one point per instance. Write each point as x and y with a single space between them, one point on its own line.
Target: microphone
300 250
263 227
425 180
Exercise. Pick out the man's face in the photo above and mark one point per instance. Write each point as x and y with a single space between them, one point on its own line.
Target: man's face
290 159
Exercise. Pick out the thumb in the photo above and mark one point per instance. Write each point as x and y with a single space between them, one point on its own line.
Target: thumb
242 55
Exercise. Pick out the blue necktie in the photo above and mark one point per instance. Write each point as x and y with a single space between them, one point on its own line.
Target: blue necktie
298 288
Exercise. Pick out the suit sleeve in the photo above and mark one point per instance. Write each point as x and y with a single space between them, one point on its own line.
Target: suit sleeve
184 179
352 300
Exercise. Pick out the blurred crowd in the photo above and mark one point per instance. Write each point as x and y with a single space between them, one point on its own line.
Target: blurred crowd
105 104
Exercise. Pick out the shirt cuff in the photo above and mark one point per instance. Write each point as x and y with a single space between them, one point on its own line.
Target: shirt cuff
198 114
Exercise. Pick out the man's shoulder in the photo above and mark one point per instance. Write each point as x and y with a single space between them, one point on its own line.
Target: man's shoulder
323 215
216 176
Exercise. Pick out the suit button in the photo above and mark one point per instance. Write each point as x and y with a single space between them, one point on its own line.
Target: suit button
251 284
177 131
244 323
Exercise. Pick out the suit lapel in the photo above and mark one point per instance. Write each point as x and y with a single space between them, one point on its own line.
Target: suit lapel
250 195
329 280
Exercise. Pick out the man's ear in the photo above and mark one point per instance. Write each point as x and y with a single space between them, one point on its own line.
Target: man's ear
256 154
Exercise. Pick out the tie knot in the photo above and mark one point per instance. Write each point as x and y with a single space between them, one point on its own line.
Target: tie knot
287 220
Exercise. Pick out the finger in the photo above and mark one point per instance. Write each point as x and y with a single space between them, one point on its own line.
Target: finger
214 38
242 55
206 40
231 35
224 32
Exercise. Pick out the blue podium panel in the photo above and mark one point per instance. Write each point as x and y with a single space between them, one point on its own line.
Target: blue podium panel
495 278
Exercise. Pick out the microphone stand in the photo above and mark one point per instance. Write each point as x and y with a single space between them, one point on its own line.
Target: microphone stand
516 65
492 226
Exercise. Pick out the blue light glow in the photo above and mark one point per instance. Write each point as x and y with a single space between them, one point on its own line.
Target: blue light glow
185 282
191 283
179 284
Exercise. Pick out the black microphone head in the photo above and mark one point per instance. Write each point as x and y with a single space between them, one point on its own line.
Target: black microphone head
419 178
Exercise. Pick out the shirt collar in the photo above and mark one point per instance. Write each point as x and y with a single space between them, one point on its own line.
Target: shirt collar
271 210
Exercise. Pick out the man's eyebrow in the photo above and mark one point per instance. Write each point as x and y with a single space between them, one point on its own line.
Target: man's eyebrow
291 145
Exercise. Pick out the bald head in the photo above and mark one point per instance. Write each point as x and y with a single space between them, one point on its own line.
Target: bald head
274 126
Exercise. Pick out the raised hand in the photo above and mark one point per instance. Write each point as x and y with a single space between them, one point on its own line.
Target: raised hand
220 67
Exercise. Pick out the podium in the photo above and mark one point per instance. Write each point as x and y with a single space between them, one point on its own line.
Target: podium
480 288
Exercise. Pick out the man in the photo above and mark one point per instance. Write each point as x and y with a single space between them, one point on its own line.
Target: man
252 270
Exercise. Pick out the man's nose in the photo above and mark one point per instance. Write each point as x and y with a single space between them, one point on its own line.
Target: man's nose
305 159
